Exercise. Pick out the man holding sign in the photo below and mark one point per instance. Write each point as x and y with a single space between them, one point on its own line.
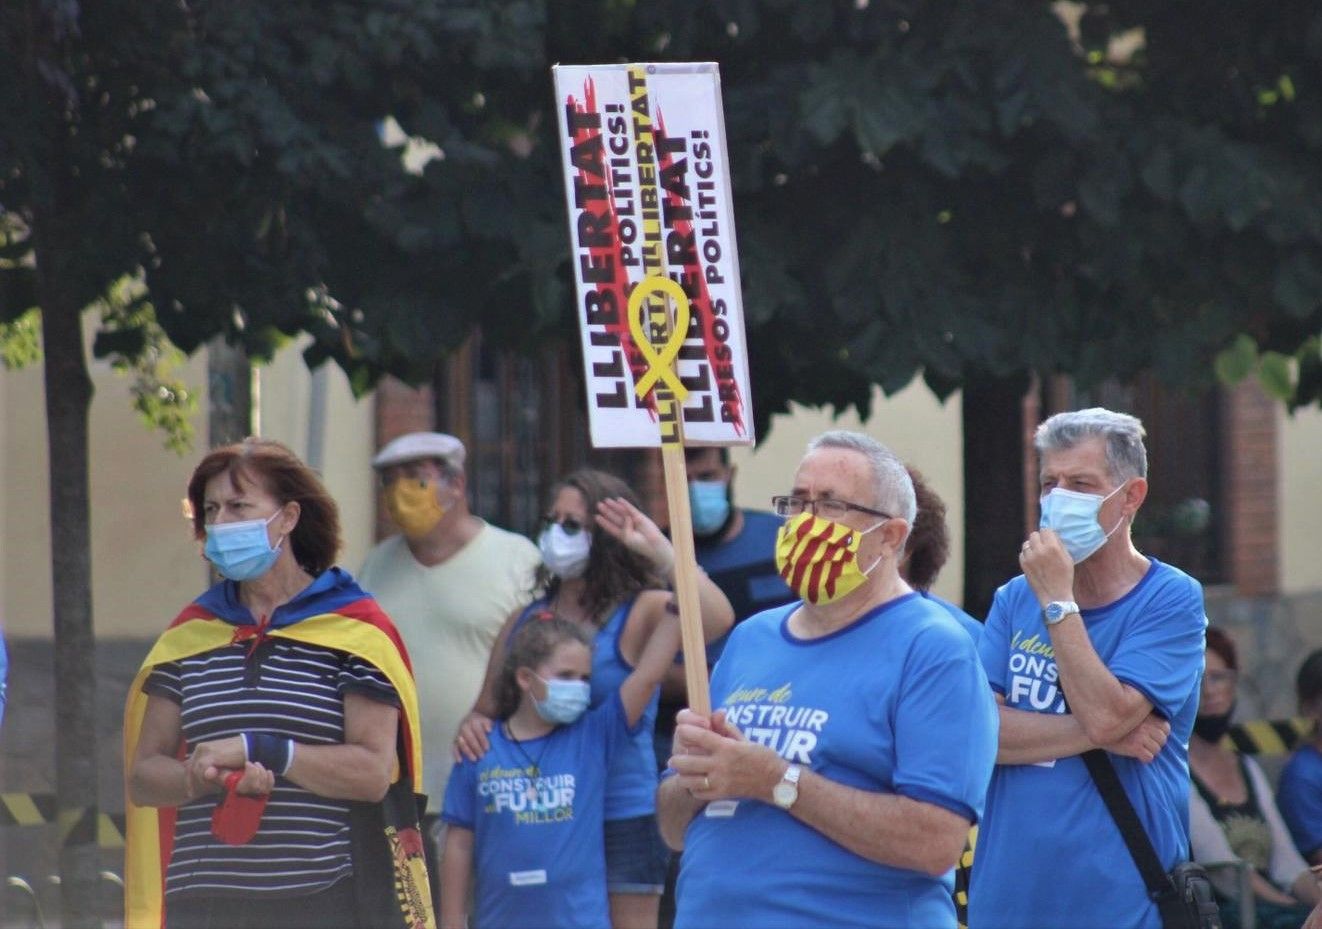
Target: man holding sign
854 736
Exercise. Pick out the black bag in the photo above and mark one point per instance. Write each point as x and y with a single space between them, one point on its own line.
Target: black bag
389 868
1184 897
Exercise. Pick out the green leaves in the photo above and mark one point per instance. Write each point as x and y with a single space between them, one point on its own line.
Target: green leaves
957 189
1292 379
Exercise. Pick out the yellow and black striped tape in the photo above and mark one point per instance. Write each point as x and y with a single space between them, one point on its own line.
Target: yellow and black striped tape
962 872
1268 736
78 825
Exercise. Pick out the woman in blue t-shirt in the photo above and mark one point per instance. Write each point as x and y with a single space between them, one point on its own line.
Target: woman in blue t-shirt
527 818
606 567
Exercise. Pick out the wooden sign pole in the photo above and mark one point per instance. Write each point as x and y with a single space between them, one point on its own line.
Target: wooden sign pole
659 338
647 187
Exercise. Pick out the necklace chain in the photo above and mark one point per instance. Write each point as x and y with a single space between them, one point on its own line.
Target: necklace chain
534 763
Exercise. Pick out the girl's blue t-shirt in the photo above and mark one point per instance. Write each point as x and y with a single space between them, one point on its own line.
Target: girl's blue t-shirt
894 703
536 811
631 781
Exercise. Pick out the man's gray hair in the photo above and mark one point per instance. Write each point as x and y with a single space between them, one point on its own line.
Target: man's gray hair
1121 433
892 486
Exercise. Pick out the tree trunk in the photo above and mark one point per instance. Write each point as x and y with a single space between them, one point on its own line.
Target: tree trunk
68 402
230 389
994 502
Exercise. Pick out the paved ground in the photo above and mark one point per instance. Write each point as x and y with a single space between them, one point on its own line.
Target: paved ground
27 765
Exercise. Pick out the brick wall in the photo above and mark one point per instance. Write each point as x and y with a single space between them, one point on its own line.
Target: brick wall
1249 493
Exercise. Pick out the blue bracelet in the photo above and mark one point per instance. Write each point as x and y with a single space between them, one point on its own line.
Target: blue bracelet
273 752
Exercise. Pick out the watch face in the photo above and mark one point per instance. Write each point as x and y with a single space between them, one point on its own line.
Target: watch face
785 794
1057 610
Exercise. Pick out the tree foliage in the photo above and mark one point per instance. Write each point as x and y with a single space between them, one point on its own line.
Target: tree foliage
962 190
958 189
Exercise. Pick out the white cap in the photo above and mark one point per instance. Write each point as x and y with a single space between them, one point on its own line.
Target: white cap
418 445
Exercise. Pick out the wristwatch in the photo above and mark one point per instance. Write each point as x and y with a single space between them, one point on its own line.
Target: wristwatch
1057 610
787 791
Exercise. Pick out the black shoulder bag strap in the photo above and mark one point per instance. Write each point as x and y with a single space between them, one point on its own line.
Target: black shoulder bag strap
1160 888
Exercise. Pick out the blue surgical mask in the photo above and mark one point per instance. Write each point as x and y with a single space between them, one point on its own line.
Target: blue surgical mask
241 551
1073 516
565 701
565 555
710 503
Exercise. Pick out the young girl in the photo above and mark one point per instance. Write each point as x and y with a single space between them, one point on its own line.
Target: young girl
528 817
605 568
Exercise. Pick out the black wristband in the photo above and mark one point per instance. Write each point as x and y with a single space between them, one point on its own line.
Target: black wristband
273 752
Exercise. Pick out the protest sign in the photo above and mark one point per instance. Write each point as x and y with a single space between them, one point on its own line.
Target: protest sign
647 185
651 223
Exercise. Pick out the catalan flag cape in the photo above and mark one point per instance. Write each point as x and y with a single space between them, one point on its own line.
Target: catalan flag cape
332 612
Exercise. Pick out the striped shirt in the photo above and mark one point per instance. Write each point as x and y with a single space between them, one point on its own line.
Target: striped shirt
287 689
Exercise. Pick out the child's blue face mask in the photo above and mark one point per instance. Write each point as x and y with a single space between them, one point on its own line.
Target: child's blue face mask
241 551
1073 516
565 701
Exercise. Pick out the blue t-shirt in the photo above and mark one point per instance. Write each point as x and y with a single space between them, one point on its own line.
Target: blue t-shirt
966 622
535 808
1049 853
894 703
631 781
1299 798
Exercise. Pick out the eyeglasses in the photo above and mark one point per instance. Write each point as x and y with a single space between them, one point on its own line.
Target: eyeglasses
570 525
1220 678
827 508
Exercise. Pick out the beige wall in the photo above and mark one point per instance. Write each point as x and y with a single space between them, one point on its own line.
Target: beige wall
1300 501
911 423
145 564
286 391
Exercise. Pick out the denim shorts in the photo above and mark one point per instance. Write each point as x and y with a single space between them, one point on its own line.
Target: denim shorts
636 858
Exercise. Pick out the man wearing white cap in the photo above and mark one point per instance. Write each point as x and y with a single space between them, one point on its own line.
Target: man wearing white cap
448 580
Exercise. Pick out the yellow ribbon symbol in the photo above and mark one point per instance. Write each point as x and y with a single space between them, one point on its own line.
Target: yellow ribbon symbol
660 364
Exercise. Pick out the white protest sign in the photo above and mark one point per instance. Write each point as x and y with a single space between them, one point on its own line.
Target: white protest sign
651 222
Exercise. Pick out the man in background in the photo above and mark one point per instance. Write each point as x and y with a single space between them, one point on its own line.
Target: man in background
448 580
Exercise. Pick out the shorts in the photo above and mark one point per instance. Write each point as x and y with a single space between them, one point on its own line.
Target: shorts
636 858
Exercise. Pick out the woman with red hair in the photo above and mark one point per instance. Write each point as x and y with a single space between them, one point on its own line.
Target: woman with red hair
1232 812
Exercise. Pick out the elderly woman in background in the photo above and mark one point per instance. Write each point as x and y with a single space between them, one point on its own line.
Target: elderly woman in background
271 705
1232 813
927 549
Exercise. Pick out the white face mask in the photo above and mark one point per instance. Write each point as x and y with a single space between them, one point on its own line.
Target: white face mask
565 555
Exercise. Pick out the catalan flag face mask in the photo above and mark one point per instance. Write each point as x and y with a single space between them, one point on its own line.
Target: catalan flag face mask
819 559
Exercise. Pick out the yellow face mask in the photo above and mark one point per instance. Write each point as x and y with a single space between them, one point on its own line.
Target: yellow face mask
819 559
414 506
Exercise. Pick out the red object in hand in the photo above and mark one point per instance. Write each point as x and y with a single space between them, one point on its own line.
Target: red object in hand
236 817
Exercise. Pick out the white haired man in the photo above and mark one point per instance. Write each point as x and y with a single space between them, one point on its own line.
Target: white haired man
1094 646
854 731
